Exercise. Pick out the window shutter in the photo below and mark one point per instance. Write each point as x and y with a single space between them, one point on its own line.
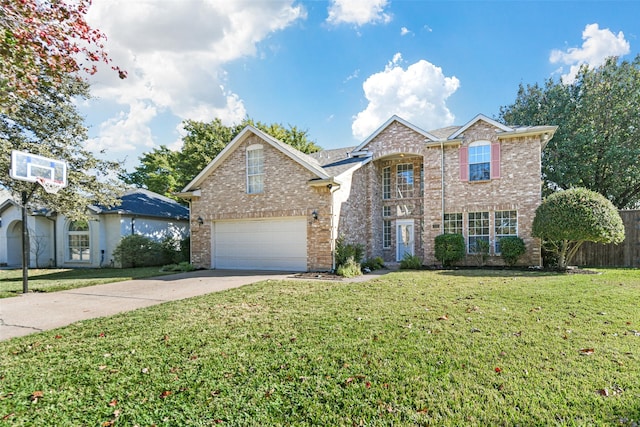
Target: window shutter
463 154
495 160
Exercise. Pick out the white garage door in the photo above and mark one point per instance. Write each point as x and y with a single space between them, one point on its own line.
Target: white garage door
261 244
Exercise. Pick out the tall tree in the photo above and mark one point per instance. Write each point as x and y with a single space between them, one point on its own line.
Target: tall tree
47 123
165 171
45 42
597 144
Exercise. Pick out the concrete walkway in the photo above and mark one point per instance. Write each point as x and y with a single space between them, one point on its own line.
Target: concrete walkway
36 312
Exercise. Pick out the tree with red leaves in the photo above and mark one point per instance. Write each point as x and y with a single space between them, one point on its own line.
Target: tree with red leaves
42 42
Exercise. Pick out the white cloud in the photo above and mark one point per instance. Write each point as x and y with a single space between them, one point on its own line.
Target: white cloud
404 31
417 94
120 133
175 55
358 12
598 45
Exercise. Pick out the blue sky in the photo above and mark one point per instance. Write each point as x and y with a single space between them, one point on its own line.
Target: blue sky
337 68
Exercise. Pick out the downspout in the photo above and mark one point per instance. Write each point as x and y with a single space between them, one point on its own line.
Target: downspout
442 184
333 237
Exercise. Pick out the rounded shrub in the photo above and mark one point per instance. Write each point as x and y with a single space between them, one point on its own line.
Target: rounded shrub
449 248
511 249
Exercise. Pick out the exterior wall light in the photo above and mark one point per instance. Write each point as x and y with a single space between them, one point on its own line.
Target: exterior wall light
314 215
200 220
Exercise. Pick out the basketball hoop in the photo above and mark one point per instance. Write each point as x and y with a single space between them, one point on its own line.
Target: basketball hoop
49 186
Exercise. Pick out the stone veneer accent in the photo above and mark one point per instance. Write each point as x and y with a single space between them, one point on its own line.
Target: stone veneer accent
286 194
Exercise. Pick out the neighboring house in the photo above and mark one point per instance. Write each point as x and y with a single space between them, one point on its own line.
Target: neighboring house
261 204
57 241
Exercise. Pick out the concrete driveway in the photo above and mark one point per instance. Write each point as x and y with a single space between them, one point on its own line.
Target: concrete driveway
35 312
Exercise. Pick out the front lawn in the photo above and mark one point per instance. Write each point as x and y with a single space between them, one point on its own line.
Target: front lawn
411 348
51 280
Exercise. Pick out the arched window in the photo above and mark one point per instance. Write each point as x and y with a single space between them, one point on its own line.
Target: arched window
255 169
79 240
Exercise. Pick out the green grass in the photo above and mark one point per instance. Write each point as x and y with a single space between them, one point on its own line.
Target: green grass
51 280
411 348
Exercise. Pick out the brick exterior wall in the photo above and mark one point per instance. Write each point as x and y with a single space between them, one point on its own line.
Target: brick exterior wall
286 194
518 189
355 209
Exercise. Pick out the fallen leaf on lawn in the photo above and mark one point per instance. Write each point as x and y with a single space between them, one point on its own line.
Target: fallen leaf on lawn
475 330
102 367
58 337
443 317
498 370
423 411
145 370
102 335
165 394
116 413
587 351
517 334
535 309
603 392
107 424
36 395
367 384
6 417
474 308
114 402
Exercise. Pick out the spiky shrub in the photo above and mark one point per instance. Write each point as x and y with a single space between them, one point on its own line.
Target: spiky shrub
449 248
410 262
511 249
346 251
350 268
567 219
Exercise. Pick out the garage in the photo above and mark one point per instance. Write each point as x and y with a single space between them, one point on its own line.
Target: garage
261 244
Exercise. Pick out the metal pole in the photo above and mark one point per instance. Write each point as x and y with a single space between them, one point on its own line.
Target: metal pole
25 245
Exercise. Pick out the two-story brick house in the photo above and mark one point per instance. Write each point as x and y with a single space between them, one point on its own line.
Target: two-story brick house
260 204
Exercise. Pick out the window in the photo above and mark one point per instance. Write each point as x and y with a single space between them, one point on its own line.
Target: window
453 223
255 169
478 230
79 241
421 178
386 211
505 225
386 183
404 180
386 234
479 161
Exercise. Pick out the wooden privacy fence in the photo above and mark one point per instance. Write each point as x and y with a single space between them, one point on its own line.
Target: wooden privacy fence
625 254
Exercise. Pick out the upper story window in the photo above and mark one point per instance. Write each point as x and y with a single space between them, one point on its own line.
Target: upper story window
78 235
386 183
404 180
480 161
255 169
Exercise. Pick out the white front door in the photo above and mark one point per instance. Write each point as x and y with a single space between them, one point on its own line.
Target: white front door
404 238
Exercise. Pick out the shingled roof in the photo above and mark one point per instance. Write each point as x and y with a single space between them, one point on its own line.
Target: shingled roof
149 204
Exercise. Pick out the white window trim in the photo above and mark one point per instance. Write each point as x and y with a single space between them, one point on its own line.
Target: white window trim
68 234
476 144
254 147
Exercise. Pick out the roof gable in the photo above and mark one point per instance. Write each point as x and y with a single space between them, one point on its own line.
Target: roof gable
388 123
477 119
299 157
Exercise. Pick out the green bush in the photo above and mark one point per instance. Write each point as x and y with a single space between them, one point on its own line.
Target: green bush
140 251
373 263
346 251
449 248
567 219
512 248
410 262
350 268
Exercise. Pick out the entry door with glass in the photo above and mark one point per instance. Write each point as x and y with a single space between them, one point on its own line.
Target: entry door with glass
404 238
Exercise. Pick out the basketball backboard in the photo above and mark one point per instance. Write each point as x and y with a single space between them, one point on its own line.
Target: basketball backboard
34 168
